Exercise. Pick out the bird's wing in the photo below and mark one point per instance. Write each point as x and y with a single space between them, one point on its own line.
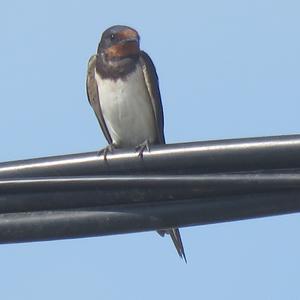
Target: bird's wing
151 80
93 96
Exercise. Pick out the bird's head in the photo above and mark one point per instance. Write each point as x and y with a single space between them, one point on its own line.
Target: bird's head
119 42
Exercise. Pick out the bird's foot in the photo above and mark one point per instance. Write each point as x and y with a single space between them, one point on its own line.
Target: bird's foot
142 147
108 149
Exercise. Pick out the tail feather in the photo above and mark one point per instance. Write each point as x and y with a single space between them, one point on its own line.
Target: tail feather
176 238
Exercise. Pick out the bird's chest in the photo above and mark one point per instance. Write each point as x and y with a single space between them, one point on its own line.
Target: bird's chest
127 109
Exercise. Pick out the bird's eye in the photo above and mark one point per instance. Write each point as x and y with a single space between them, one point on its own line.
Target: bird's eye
112 36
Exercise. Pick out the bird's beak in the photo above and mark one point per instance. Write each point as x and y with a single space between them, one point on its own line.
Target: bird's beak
128 45
130 40
128 36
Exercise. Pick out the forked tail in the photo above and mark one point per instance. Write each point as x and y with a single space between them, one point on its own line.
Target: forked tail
176 238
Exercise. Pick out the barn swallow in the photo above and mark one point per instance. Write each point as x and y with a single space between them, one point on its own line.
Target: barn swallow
122 88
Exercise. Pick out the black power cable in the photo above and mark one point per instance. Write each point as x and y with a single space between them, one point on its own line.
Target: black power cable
172 186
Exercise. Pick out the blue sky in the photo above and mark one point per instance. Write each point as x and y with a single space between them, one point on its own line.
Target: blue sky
227 69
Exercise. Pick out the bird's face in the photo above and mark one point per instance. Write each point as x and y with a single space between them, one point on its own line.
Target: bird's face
119 42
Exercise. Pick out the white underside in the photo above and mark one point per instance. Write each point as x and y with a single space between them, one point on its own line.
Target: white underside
127 109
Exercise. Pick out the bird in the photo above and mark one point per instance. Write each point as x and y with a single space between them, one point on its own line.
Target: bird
123 90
